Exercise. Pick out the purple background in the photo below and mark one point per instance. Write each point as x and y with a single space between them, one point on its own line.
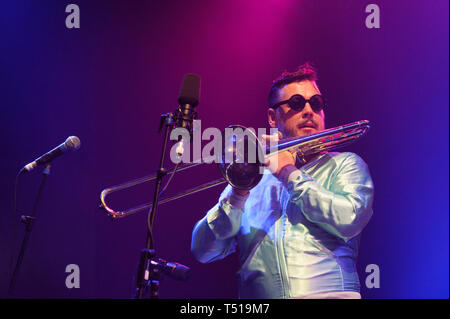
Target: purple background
109 81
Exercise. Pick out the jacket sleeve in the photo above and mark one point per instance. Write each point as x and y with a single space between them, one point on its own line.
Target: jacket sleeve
346 207
213 237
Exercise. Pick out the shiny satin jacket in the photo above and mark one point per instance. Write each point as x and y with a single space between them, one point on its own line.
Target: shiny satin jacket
296 239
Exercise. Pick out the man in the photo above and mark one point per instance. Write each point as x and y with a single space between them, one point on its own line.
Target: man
298 229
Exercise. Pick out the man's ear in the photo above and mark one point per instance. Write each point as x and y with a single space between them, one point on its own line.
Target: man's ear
272 117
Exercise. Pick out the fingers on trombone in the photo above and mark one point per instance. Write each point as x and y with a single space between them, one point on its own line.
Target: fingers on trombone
269 139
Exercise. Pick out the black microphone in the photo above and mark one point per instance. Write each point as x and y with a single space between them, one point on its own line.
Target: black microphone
72 143
187 101
173 270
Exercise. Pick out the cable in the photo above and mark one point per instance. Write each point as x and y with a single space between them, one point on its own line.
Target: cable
170 178
149 221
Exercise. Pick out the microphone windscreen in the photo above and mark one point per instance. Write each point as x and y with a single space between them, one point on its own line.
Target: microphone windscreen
72 143
190 90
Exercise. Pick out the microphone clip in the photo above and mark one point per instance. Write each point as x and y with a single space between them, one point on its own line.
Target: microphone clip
184 117
166 119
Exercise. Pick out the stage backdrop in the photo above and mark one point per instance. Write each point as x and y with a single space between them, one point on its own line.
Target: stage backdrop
109 81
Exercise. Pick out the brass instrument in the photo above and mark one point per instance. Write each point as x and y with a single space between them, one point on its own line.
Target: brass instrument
244 174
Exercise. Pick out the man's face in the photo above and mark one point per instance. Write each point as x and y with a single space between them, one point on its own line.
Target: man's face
293 123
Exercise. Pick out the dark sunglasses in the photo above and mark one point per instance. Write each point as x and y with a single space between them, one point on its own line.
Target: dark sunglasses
298 102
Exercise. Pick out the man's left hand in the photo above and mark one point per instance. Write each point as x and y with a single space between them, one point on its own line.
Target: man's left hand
277 162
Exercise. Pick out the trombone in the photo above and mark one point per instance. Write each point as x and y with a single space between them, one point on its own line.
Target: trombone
245 175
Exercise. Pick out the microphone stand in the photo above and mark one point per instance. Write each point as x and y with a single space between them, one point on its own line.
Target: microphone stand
147 274
150 268
28 221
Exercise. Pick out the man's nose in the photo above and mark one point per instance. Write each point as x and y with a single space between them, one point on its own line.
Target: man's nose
307 111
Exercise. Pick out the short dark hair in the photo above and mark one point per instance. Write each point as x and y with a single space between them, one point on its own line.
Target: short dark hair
304 72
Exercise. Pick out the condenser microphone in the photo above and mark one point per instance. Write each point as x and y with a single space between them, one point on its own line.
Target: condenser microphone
72 143
187 101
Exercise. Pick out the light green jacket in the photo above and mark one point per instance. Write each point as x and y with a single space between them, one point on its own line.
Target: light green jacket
296 239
